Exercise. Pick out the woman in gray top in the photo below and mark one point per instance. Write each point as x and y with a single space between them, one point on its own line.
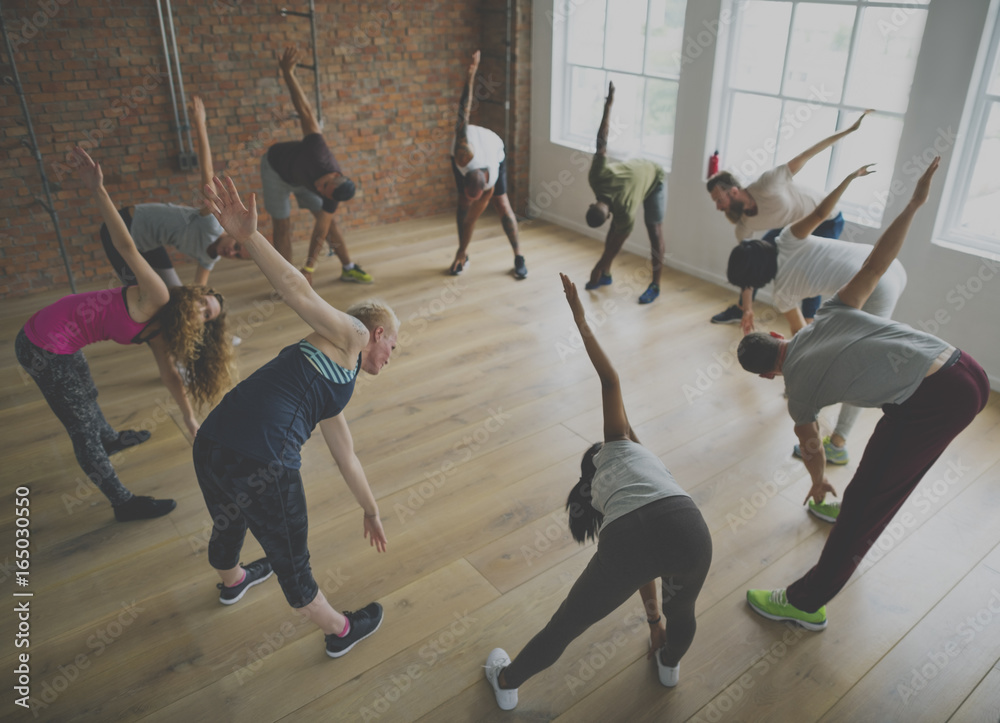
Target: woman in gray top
646 526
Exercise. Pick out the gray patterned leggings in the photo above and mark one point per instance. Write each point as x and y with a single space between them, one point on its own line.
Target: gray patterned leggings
69 389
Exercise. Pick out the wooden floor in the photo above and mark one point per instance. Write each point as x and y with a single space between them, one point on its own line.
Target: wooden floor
471 439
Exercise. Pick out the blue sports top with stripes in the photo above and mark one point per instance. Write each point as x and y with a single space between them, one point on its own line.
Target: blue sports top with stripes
270 414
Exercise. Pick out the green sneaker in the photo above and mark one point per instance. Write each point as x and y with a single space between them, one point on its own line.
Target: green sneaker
828 511
356 275
773 605
834 455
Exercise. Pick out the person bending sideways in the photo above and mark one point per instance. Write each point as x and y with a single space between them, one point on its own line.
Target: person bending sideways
193 232
310 171
771 202
479 165
247 454
190 321
646 527
802 266
620 189
928 390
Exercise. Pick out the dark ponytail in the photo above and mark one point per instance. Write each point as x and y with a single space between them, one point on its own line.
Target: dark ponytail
584 520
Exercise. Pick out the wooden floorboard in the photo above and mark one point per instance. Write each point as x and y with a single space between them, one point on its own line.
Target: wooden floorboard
471 439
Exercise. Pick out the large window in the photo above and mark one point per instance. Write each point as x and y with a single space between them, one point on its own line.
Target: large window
799 70
636 44
971 221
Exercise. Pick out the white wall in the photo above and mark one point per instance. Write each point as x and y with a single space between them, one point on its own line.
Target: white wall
951 294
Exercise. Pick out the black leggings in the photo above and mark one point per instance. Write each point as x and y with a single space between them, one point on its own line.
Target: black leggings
241 492
668 539
158 258
69 389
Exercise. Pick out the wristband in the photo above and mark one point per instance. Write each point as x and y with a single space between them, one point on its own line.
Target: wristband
654 622
309 269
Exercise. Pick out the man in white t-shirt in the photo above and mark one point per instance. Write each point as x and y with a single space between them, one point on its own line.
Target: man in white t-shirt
480 169
771 202
801 266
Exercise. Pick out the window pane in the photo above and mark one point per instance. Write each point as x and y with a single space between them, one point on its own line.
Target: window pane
753 125
882 72
626 36
585 32
658 118
626 115
666 37
817 54
760 48
587 92
803 125
876 142
979 213
994 88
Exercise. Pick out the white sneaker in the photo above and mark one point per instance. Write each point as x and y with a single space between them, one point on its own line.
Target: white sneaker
496 661
668 676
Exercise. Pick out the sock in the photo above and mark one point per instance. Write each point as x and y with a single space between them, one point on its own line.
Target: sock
350 266
240 581
346 630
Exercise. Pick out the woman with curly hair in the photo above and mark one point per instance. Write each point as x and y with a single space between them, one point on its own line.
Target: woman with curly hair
188 322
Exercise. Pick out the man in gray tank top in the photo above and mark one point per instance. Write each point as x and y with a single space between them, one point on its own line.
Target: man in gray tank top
928 391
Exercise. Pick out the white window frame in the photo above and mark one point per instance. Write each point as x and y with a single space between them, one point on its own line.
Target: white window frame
949 233
852 212
561 84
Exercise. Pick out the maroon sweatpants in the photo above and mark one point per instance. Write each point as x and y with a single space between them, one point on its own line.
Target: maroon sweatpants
907 441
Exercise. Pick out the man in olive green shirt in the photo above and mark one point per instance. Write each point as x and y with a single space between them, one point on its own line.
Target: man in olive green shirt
620 189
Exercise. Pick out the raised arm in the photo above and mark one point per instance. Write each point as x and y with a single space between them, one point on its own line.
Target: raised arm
338 438
602 132
616 424
288 62
153 292
795 165
343 331
204 149
856 291
804 227
465 107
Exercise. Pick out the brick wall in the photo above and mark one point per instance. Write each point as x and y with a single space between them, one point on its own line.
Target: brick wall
94 74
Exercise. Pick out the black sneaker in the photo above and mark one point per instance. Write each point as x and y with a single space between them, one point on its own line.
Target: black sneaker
732 315
143 508
257 572
364 622
126 439
520 268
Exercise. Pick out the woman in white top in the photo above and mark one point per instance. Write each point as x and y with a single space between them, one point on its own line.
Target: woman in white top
647 527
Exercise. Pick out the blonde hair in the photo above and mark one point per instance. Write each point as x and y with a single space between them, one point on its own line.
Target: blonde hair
373 313
200 346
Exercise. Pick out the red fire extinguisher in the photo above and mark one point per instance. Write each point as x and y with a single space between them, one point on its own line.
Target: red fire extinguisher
713 164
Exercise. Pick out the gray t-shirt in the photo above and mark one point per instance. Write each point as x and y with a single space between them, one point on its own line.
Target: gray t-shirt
628 477
183 227
848 355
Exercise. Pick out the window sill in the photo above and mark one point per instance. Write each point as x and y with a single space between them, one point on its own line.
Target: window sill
972 248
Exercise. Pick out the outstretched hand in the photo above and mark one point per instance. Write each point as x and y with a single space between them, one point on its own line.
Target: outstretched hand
289 59
89 170
865 170
923 188
474 65
611 92
225 204
573 298
857 123
374 531
818 491
198 109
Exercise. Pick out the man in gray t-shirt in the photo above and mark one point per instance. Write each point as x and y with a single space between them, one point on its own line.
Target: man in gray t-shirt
928 391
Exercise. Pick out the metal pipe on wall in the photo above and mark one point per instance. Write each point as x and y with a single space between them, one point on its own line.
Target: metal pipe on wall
170 79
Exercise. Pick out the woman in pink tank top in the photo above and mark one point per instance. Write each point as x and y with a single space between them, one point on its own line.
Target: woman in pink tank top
188 321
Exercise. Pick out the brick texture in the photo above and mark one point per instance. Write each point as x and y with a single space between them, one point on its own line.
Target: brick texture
94 74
